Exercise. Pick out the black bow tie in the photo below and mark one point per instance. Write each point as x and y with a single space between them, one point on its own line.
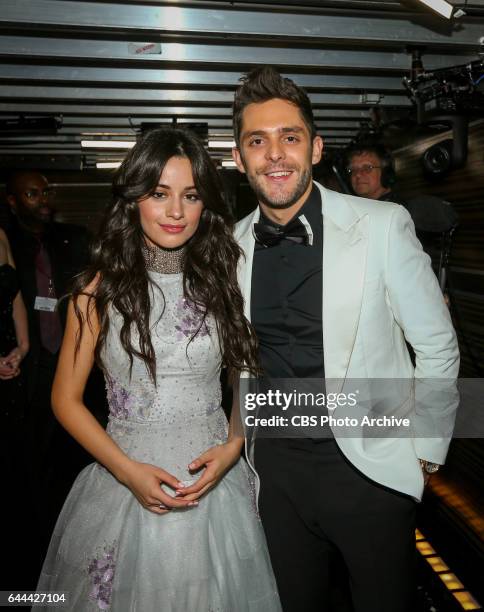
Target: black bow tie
270 235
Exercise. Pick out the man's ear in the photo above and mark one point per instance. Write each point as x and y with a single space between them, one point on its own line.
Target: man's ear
12 202
238 159
317 149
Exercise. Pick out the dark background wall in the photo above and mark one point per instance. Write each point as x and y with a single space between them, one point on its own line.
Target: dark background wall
464 189
453 512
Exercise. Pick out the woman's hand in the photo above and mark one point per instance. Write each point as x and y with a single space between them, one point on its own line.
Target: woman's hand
9 364
145 480
6 372
15 357
217 461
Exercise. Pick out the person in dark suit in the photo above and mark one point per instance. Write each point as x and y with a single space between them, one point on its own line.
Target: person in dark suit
48 255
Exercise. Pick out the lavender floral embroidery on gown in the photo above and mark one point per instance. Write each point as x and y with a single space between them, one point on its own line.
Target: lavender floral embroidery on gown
107 551
101 570
191 320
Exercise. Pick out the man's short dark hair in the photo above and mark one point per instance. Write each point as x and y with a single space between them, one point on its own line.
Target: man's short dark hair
11 184
266 83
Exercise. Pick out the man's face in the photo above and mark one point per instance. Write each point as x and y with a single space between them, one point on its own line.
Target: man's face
276 153
366 175
31 200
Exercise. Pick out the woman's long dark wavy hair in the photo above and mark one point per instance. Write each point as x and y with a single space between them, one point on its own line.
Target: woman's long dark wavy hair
118 270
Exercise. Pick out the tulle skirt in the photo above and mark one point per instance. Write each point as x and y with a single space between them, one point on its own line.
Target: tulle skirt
109 553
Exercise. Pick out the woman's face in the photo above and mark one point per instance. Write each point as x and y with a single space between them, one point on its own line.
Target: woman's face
170 216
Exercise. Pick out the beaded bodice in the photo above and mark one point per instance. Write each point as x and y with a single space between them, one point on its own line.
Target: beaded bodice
172 422
187 365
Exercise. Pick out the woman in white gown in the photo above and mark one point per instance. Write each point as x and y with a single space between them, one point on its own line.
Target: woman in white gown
164 520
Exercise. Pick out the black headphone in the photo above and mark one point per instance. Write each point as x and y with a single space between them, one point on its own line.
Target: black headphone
388 174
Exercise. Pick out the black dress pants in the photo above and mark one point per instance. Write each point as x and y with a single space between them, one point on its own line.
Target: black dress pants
313 501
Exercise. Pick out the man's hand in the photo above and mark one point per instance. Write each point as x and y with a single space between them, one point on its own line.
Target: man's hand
426 477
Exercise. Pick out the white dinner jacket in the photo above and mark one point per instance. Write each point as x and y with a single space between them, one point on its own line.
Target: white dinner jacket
378 289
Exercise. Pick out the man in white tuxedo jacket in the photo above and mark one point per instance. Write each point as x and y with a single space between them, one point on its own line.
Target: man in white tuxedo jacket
335 285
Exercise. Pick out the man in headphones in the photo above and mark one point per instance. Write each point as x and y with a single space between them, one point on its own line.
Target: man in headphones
372 175
371 171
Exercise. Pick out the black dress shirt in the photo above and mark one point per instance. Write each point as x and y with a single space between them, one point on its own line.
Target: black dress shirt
286 300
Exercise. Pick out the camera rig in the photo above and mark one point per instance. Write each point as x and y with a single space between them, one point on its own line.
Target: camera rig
458 89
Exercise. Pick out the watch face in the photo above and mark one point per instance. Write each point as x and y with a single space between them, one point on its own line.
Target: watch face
431 468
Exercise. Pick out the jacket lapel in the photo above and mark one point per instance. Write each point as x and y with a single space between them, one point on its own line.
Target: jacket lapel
345 243
246 240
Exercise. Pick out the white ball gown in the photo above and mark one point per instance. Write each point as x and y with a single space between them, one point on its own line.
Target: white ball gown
108 552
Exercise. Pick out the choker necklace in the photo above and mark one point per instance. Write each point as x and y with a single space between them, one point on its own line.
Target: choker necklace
165 261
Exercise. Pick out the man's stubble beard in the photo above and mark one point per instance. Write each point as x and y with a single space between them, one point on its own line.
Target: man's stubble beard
284 201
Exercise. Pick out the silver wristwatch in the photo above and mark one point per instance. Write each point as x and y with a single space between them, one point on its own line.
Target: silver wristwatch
428 466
